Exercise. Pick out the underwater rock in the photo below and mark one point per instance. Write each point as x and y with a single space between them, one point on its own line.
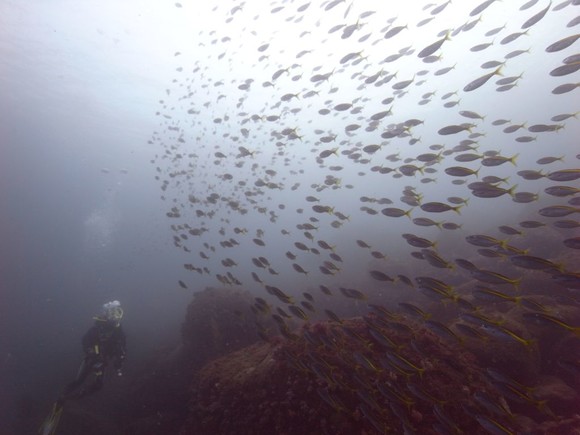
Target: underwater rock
340 378
384 372
218 321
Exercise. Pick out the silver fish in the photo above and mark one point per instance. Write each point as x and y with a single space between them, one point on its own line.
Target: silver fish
477 83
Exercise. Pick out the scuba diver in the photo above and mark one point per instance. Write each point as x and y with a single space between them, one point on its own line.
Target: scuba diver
105 340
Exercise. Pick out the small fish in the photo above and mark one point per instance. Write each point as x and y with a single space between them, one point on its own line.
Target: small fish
470 331
492 426
394 31
495 31
499 160
506 334
548 160
532 224
565 69
532 175
366 362
460 171
486 190
257 278
516 53
332 316
325 290
435 259
492 64
322 209
396 212
481 7
465 264
275 291
442 331
510 231
308 306
512 37
528 5
537 17
467 157
565 88
486 294
567 224
541 128
327 153
415 311
439 207
436 293
403 84
405 280
491 277
477 83
353 293
572 242
562 43
380 276
371 149
564 175
298 312
378 255
349 30
432 48
363 244
568 280
426 222
534 263
342 107
404 363
299 269
454 129
558 211
548 320
418 242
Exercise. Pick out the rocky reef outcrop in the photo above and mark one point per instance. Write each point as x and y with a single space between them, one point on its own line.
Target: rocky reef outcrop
380 372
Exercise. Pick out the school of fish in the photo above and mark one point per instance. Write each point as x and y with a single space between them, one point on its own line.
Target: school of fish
337 161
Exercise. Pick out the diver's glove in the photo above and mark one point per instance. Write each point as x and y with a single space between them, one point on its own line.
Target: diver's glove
98 362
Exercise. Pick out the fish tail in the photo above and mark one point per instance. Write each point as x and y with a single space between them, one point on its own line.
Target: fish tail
511 190
530 343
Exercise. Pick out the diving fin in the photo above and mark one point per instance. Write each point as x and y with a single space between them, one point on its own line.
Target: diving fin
51 423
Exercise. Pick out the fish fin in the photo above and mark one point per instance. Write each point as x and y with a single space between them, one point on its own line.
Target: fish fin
50 424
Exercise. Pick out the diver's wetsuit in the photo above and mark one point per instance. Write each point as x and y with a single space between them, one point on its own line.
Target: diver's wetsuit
104 340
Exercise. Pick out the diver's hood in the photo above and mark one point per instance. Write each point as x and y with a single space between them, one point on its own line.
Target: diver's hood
112 312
